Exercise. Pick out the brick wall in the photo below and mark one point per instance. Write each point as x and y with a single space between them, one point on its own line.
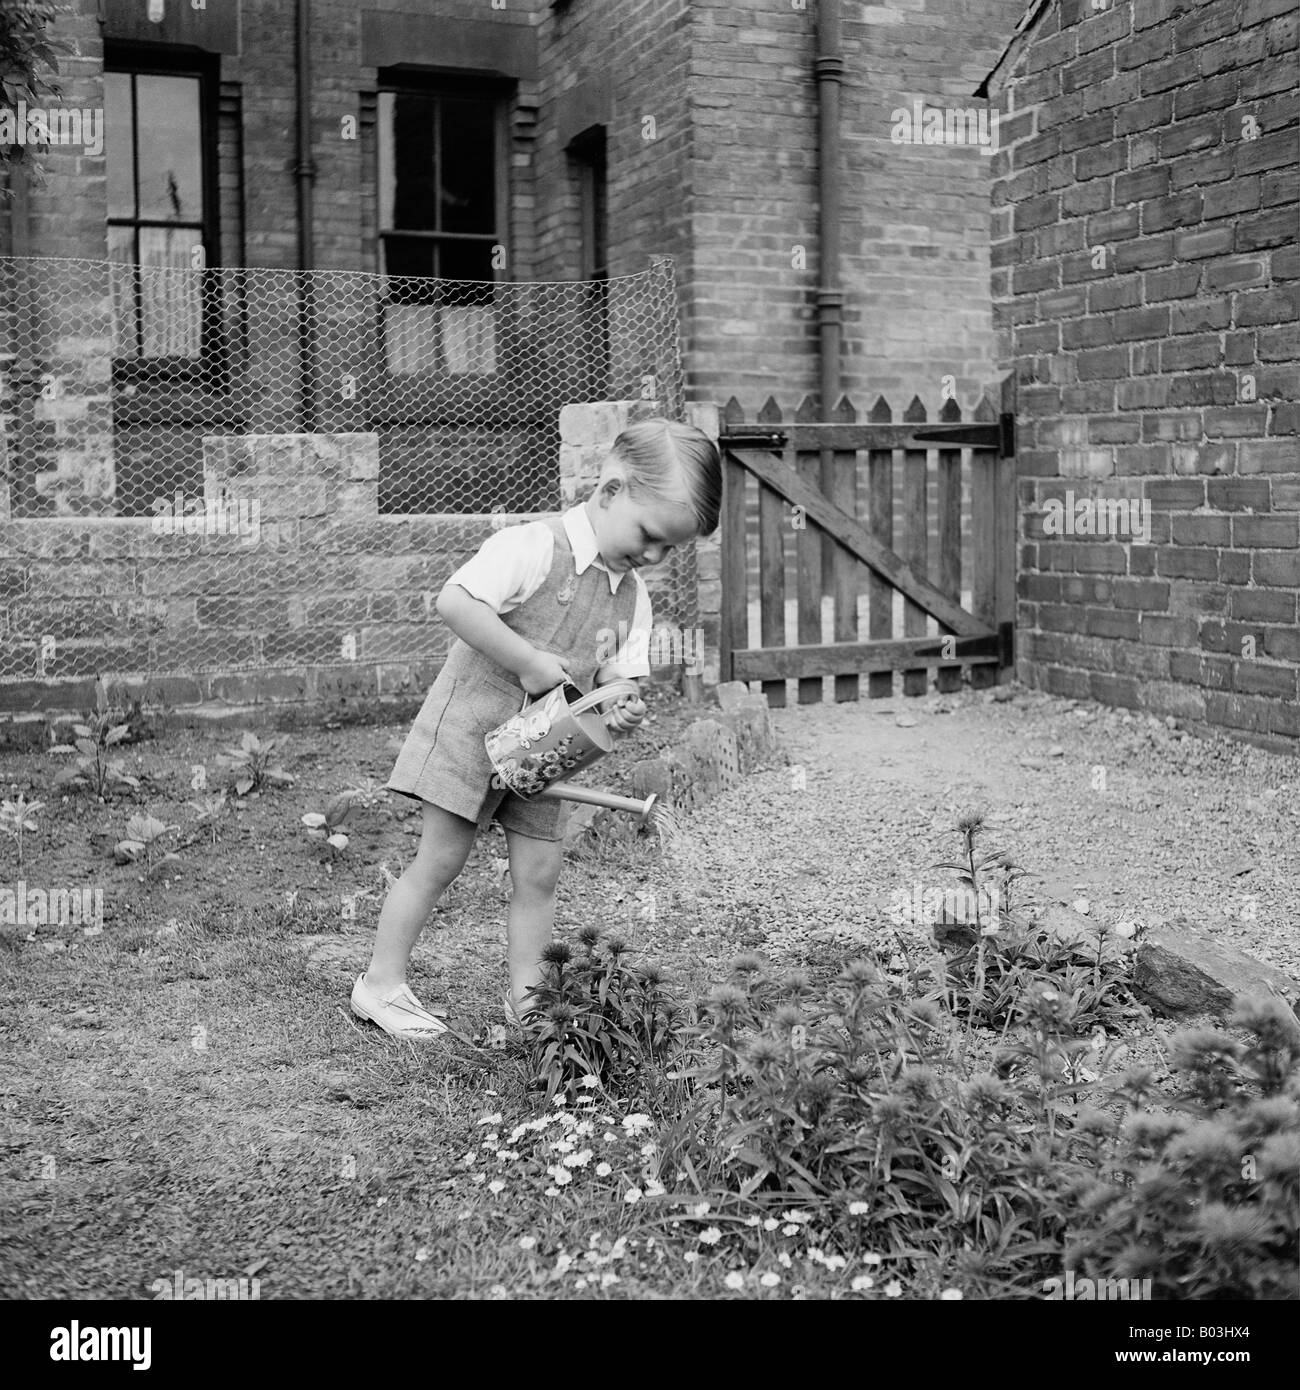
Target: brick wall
1147 291
915 217
316 600
631 57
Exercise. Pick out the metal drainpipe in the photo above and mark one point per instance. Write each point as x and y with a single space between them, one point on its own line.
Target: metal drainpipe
305 172
830 298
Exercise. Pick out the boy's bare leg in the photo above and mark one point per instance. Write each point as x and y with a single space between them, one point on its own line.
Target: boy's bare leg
534 871
444 848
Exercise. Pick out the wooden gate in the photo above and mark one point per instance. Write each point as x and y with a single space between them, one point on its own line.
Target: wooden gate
817 516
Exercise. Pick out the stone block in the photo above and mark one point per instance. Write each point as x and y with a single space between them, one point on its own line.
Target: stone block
1183 969
730 694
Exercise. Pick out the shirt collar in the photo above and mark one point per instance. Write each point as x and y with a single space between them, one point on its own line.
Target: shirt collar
582 541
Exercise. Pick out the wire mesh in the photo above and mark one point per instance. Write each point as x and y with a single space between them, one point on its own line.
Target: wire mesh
131 392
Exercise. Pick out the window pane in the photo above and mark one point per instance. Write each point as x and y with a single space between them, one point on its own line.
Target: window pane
408 256
170 148
171 294
406 161
468 190
118 155
465 260
469 341
121 251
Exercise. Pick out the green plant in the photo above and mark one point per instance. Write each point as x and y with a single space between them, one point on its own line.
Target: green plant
1204 1199
251 766
144 837
325 826
859 1103
26 48
593 1015
18 818
208 811
93 739
988 967
367 795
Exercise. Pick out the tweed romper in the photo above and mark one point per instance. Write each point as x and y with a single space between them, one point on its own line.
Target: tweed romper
443 760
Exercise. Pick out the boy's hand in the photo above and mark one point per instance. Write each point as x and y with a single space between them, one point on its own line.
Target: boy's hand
626 714
543 673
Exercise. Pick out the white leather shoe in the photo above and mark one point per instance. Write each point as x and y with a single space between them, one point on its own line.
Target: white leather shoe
401 1014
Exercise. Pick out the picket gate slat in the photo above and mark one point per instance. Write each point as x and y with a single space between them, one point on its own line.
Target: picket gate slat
809 479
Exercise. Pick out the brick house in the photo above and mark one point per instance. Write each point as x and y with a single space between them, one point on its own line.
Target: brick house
473 140
1146 290
600 134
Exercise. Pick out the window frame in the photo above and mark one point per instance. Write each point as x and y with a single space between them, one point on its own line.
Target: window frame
139 60
500 93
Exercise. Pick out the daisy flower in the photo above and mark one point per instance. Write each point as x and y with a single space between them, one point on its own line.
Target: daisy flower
527 1242
950 1295
496 1186
603 1170
735 1280
862 1282
633 1194
893 1289
710 1237
858 1208
770 1281
771 1224
691 1256
578 1160
590 1081
872 1259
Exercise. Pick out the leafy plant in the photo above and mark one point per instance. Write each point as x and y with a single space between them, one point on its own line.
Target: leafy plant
208 811
95 767
593 1015
18 818
989 966
1203 1200
252 767
325 826
367 795
144 837
26 48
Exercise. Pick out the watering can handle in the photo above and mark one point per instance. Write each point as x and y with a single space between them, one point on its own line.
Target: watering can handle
598 696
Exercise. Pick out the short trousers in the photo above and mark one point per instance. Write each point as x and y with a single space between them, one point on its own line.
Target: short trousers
541 819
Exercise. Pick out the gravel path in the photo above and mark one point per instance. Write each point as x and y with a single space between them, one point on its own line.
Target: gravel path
1142 821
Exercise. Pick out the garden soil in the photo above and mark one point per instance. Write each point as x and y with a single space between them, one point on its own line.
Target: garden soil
806 861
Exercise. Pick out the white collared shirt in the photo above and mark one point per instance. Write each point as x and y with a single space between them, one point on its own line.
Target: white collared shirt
512 564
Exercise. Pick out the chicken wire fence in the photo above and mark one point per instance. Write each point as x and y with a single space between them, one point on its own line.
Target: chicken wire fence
127 390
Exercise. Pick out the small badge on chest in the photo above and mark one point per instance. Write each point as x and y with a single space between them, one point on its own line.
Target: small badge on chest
567 590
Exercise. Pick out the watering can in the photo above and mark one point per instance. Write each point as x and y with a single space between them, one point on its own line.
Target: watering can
553 737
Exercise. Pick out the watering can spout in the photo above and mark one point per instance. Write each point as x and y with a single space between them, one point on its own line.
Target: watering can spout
589 796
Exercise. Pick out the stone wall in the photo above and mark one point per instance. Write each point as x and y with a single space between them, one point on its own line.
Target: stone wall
287 590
